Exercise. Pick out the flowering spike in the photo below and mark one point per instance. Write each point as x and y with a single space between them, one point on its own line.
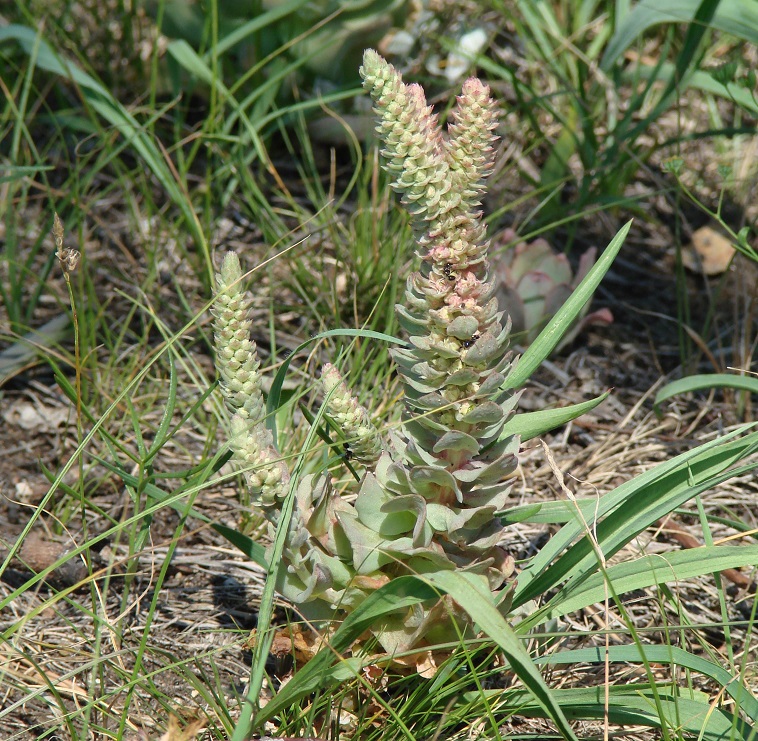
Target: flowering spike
413 146
236 354
238 365
430 497
364 440
265 471
470 146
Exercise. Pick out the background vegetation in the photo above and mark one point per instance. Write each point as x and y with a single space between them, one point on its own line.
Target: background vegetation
164 132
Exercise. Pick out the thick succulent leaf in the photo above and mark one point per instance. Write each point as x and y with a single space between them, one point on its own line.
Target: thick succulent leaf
457 441
534 286
496 495
432 402
368 552
427 480
440 517
434 348
510 301
463 327
526 258
490 385
473 519
487 473
400 595
484 412
484 350
411 323
415 506
370 506
462 377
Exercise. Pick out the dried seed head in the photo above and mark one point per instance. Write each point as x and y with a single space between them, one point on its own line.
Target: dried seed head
68 258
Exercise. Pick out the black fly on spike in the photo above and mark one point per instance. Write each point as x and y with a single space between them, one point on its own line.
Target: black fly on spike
347 452
448 271
474 338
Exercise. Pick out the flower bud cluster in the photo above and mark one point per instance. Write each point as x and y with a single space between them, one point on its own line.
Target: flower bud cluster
236 353
430 497
238 366
364 440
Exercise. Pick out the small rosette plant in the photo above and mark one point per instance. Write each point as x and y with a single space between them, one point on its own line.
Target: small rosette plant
534 281
431 490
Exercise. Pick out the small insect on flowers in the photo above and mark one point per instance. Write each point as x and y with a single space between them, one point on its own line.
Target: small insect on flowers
468 343
448 271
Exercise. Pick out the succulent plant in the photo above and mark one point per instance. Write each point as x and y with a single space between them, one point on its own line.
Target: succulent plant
534 281
429 497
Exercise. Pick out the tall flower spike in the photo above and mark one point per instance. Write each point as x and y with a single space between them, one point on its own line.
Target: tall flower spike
238 365
413 146
430 500
265 472
362 436
457 354
471 143
236 354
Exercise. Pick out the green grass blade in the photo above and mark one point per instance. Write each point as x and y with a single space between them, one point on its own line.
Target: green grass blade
256 24
319 673
704 382
254 551
275 394
101 100
673 655
400 593
735 17
265 631
532 424
650 570
629 706
645 498
479 606
701 80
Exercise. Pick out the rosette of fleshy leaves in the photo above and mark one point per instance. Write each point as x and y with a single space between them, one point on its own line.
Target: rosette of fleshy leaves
534 281
430 500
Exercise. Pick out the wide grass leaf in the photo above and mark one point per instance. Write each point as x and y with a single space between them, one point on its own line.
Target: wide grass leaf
648 571
704 382
480 608
529 425
682 716
671 655
735 17
624 512
549 337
